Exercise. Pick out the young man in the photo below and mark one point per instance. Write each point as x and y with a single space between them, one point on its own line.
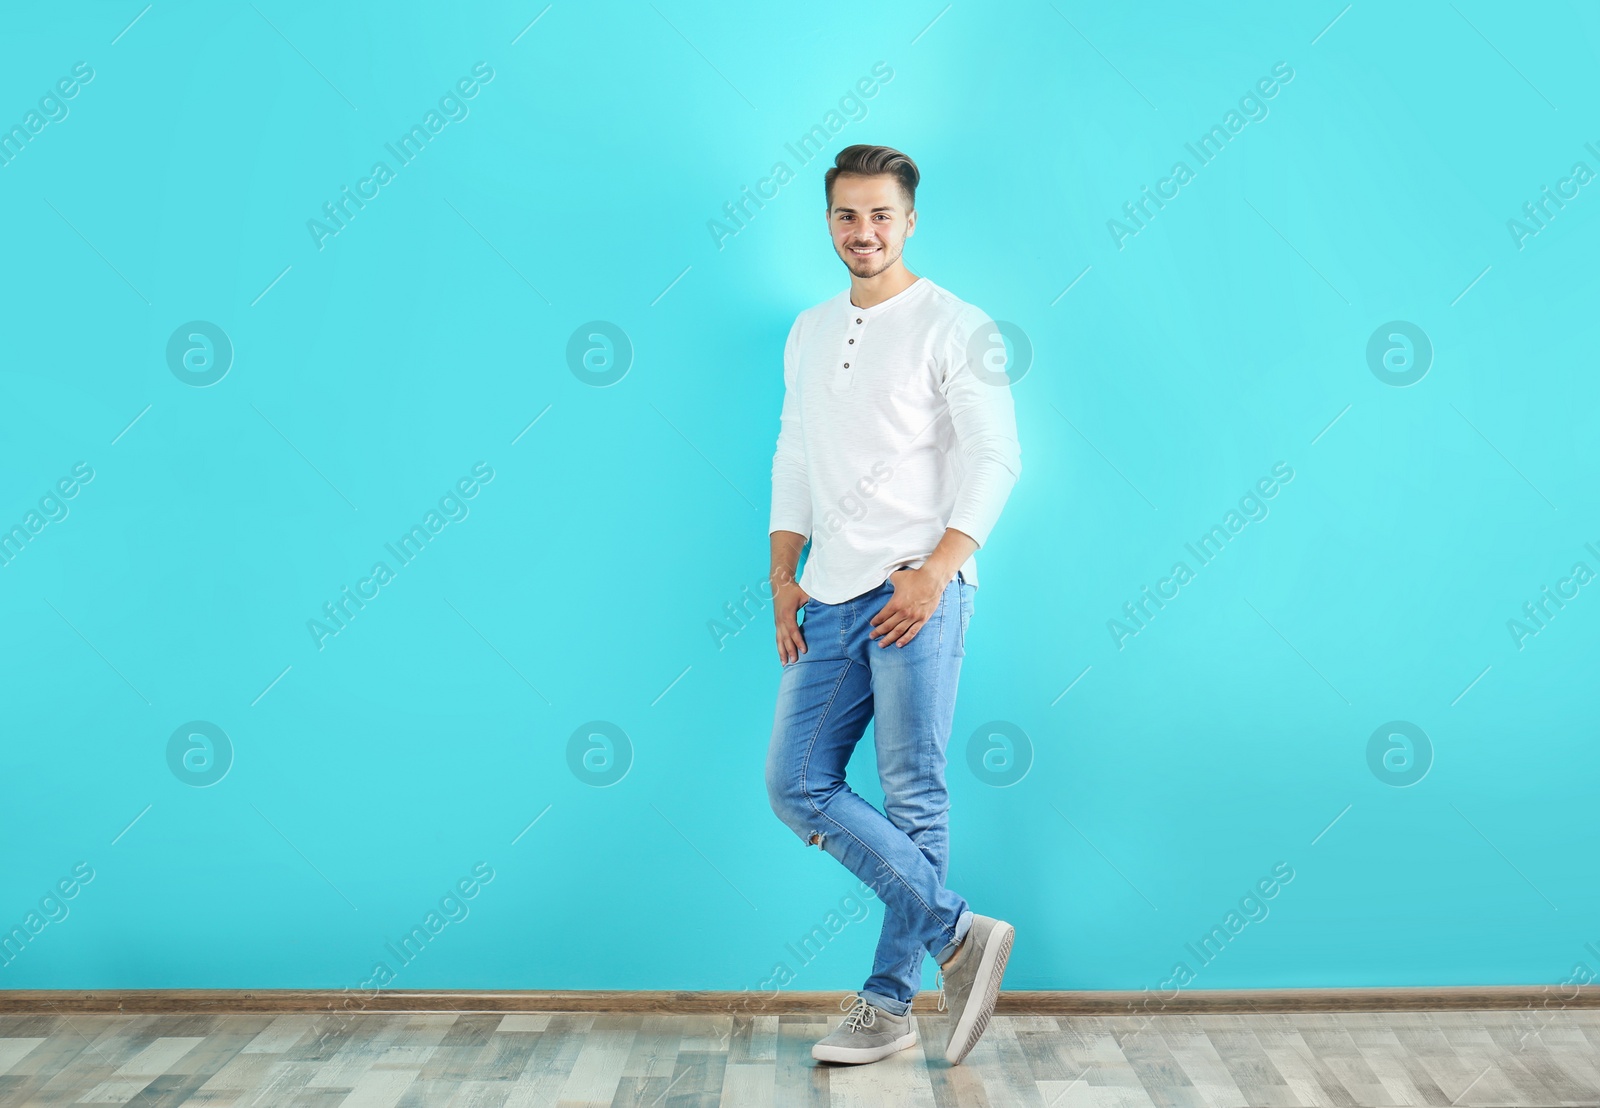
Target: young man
896 451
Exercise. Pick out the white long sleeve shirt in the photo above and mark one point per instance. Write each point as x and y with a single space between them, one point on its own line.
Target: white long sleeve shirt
890 433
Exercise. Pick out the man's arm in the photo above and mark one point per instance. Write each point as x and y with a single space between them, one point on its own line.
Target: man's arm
984 418
986 429
790 521
791 488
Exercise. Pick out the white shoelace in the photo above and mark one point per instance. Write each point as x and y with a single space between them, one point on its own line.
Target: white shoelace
938 980
862 1015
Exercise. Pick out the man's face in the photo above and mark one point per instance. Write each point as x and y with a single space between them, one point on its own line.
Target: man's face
869 213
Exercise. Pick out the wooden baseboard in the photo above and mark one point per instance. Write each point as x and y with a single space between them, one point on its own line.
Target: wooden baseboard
1025 1003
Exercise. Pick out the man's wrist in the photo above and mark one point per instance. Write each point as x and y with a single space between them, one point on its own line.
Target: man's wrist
939 571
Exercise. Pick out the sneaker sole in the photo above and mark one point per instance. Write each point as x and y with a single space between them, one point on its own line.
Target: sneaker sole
975 1020
859 1054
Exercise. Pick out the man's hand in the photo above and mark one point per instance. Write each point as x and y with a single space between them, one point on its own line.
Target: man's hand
916 596
785 603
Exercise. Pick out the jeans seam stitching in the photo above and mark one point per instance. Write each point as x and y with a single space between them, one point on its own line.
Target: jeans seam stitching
890 869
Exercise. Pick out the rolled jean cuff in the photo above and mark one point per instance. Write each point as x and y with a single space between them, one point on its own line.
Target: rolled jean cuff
963 925
887 1003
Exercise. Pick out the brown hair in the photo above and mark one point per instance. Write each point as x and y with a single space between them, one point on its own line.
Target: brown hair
874 161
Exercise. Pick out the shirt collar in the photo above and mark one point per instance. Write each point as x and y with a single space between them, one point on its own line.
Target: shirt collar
904 294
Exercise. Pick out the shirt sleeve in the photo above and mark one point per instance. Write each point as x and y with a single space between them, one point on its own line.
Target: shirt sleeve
791 488
979 397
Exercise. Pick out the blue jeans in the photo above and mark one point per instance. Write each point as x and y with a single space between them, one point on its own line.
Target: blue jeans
825 699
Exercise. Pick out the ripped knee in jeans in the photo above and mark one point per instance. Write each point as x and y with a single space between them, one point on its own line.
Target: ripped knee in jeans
816 839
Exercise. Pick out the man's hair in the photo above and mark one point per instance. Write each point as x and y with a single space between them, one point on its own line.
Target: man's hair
874 161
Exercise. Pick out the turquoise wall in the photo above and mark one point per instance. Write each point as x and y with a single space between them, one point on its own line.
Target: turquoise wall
535 743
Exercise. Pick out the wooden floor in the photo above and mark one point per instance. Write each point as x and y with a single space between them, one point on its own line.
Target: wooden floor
477 1061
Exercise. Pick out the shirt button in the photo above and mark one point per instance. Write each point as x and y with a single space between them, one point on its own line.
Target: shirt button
847 365
858 319
852 342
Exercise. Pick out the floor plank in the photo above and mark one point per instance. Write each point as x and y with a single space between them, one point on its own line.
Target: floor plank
1441 1059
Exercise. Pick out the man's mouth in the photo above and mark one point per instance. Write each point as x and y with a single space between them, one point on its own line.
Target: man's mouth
863 251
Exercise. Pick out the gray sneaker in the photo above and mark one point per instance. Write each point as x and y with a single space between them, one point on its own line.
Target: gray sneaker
973 984
867 1034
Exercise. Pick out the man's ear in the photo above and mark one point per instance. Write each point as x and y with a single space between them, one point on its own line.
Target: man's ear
911 223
